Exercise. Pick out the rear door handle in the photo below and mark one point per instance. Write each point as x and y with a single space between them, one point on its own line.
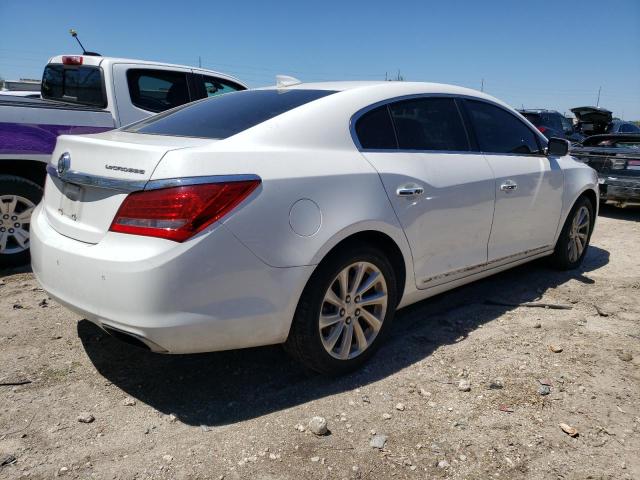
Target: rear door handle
409 191
508 186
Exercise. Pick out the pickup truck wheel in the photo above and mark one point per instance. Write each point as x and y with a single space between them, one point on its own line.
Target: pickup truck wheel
345 311
575 235
18 198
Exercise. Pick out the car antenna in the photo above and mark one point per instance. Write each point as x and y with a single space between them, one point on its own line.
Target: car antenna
74 34
283 81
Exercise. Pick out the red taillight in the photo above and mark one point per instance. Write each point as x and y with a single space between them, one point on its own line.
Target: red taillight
72 60
542 129
178 213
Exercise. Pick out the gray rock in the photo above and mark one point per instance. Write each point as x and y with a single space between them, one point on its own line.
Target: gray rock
378 441
86 418
544 390
443 464
464 385
318 425
129 402
625 356
400 406
497 384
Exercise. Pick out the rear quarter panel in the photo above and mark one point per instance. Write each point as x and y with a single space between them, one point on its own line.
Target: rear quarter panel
345 187
578 178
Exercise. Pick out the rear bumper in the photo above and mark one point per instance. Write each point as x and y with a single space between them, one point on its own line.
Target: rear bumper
620 189
210 293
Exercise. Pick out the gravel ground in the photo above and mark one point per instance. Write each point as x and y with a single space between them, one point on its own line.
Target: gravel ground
463 389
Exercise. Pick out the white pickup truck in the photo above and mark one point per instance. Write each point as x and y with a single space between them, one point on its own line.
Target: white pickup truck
81 94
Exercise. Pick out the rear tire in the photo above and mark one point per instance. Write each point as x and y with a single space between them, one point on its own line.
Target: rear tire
573 242
337 328
18 198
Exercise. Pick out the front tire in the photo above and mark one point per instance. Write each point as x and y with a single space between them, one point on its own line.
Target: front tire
18 198
345 311
573 241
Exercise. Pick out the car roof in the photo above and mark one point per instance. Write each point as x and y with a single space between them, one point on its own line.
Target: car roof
538 110
386 89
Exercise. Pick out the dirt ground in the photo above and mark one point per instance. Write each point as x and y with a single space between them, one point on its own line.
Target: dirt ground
236 415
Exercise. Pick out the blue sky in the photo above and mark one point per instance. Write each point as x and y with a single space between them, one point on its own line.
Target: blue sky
553 54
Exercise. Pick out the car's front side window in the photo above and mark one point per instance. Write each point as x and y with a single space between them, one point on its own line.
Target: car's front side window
499 131
430 123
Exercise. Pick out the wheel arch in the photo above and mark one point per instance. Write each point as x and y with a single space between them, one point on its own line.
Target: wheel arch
391 244
33 170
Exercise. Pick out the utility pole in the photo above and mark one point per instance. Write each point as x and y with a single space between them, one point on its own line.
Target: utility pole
482 85
598 101
199 61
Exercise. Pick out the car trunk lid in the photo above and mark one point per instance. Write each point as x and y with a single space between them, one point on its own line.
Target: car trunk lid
592 120
83 192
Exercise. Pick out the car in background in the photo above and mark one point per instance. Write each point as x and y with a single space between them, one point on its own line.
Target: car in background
552 123
302 214
81 94
620 126
616 158
598 121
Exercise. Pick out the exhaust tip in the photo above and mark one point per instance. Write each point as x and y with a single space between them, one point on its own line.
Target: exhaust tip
131 339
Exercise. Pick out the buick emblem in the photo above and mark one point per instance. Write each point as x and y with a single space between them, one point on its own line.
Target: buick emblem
64 163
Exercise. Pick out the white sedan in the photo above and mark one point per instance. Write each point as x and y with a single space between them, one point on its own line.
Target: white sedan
304 214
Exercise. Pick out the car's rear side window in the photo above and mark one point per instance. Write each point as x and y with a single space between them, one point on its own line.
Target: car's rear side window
74 84
157 90
429 124
499 131
222 116
375 130
215 86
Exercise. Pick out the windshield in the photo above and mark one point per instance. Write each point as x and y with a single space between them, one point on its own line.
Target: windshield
73 84
225 115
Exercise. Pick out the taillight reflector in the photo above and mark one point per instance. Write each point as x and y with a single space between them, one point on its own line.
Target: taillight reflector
178 213
72 60
542 129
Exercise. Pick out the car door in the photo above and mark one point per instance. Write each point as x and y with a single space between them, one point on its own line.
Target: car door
528 184
441 191
142 91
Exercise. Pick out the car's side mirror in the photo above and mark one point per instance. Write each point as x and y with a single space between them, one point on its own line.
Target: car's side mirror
557 147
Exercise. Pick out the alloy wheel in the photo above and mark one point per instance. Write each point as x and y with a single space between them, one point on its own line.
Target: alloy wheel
579 233
15 217
353 309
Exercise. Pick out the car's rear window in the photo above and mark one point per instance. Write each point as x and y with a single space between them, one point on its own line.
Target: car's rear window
225 115
532 117
74 84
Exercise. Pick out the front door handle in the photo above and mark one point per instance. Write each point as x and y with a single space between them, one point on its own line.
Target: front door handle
409 191
508 186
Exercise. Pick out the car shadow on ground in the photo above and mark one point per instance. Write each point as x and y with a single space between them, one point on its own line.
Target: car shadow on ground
7 272
630 213
227 387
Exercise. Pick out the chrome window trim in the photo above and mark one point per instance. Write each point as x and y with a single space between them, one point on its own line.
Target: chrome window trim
356 116
128 186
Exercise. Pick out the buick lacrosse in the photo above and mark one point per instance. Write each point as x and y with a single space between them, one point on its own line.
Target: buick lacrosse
303 214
